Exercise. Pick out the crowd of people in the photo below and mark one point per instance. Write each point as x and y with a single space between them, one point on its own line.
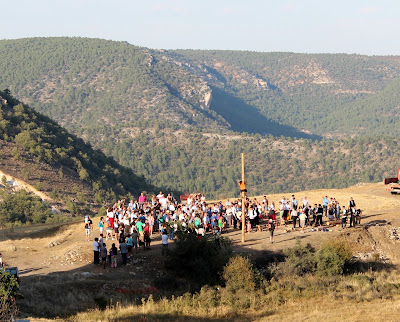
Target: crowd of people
132 226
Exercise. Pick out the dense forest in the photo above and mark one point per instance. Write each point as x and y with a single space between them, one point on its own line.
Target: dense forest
181 118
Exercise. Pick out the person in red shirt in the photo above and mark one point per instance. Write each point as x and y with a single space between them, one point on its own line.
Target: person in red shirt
147 239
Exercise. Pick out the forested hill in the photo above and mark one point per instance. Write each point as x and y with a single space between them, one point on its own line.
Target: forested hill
331 95
181 118
109 84
36 142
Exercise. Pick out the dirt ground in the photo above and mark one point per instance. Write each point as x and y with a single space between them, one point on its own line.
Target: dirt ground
61 250
45 249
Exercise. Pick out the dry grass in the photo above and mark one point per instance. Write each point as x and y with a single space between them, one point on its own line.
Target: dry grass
372 296
338 310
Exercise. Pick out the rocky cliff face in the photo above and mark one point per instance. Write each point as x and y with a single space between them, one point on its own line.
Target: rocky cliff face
208 99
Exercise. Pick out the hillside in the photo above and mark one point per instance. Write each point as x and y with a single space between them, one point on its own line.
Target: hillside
303 121
105 83
329 95
45 157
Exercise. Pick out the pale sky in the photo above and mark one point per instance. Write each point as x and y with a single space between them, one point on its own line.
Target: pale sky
304 26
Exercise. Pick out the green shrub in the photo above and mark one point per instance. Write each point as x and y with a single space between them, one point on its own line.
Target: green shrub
72 207
39 186
98 198
198 260
81 197
8 293
300 260
83 174
239 275
21 208
102 212
54 195
333 257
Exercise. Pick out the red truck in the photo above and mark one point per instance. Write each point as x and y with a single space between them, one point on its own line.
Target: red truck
394 183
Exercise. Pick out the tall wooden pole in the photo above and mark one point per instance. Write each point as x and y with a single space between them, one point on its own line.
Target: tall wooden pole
243 204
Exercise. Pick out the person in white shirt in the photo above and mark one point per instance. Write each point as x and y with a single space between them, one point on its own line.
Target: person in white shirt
96 248
293 214
163 202
305 202
252 216
228 203
164 241
272 206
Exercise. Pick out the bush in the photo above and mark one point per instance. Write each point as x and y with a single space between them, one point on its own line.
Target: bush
101 302
8 293
166 282
22 208
54 195
333 257
300 260
98 198
198 260
72 207
39 186
102 212
239 275
81 197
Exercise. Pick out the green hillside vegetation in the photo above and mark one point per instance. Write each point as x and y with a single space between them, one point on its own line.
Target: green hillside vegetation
310 92
211 163
303 121
21 208
51 144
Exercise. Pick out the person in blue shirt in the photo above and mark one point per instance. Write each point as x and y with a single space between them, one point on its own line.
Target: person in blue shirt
214 220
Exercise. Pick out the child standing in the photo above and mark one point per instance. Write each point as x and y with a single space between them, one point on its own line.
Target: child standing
87 230
101 225
248 225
